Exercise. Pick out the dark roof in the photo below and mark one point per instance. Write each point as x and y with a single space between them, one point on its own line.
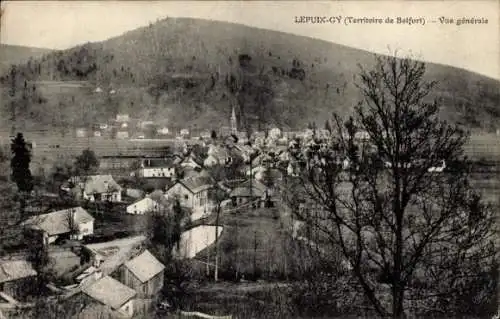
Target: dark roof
160 162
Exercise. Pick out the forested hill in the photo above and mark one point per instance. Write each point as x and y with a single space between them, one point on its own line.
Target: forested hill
15 54
191 71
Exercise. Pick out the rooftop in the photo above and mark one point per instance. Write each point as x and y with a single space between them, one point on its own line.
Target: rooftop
116 252
197 184
97 184
145 266
110 292
58 222
15 269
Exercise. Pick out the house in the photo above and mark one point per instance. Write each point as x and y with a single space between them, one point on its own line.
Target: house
121 118
113 294
81 132
246 152
191 161
108 256
242 195
206 135
15 277
145 124
250 190
74 223
144 274
143 206
97 188
157 168
217 156
184 132
122 134
274 133
193 193
163 131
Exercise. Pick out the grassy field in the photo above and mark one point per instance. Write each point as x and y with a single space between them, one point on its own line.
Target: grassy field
254 244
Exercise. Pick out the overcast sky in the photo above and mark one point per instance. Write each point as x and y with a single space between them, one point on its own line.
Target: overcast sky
62 24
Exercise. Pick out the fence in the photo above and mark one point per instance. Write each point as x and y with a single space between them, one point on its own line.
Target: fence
185 314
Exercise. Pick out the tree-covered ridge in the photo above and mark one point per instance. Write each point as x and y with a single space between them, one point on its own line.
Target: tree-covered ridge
194 71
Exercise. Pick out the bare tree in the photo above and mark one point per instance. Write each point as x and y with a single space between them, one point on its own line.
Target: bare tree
406 234
71 223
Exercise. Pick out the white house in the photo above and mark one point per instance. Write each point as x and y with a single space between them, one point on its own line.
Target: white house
157 168
122 135
81 132
274 133
75 222
217 155
143 206
122 118
193 193
163 131
190 162
184 132
98 188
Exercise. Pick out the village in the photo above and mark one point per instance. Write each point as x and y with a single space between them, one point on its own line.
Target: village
169 162
107 263
97 227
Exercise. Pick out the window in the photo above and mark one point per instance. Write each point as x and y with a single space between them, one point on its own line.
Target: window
186 197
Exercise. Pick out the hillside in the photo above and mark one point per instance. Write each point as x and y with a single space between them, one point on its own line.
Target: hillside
15 54
186 72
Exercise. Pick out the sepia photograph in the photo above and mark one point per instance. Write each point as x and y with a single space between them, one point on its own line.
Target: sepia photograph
249 159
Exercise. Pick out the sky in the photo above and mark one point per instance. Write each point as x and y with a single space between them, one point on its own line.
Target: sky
475 47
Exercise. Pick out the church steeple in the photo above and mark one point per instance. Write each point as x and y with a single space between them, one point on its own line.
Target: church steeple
234 127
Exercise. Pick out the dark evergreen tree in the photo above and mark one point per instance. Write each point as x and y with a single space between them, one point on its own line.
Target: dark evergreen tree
20 164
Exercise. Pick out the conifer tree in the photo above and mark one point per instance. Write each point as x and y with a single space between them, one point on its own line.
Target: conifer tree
20 165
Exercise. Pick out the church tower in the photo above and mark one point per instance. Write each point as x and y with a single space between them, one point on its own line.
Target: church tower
234 127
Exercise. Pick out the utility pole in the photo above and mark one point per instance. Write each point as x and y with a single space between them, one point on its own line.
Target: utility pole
255 255
208 259
216 274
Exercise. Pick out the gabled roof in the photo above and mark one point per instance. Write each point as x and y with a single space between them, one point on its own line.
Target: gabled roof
97 184
110 292
196 184
58 222
116 252
15 269
145 266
